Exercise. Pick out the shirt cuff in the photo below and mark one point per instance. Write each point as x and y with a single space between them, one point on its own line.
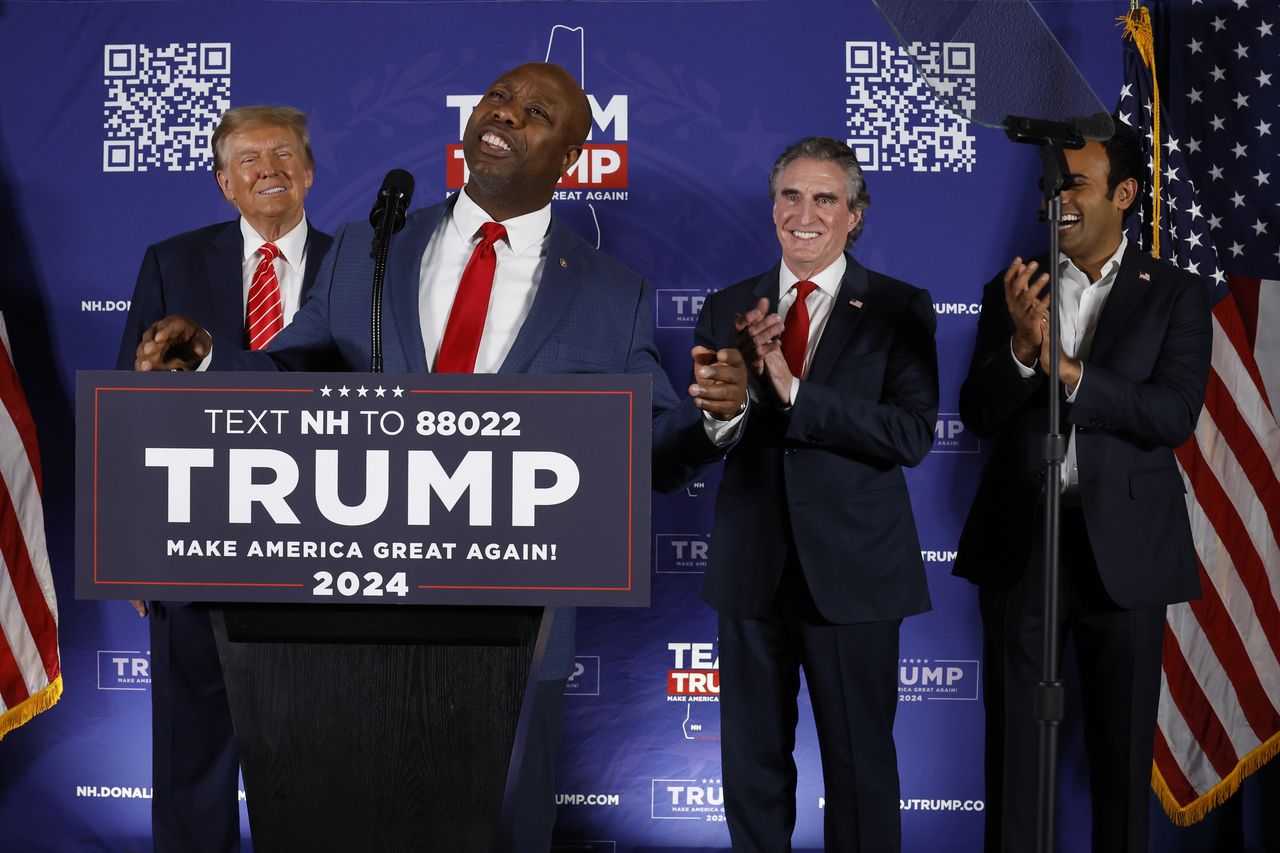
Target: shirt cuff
1023 371
208 358
721 432
1071 395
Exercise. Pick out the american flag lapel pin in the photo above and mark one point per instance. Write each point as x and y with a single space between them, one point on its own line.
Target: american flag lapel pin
1145 276
856 303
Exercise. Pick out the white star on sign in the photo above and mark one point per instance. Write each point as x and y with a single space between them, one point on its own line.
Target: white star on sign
324 392
362 391
380 391
397 391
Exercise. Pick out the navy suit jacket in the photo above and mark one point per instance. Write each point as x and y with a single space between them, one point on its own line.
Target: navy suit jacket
198 274
1144 383
590 315
825 477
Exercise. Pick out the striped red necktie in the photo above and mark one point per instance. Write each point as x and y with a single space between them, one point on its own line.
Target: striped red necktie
264 316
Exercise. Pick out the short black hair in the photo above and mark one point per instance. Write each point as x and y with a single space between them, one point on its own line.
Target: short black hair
1126 159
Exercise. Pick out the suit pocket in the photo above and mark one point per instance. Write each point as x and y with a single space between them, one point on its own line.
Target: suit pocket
1156 483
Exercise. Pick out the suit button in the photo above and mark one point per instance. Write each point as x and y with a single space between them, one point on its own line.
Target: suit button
790 451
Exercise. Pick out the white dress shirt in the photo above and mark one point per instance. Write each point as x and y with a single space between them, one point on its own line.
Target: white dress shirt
1080 304
520 259
290 266
820 302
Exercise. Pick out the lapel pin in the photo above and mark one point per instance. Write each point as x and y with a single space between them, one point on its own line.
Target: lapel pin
563 262
856 303
1145 276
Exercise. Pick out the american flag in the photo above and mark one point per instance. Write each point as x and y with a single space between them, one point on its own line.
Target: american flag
1219 716
30 669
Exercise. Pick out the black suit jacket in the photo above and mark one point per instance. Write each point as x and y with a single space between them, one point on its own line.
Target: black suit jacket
825 476
1143 386
198 274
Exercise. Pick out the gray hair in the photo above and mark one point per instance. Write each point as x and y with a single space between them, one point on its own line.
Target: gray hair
828 150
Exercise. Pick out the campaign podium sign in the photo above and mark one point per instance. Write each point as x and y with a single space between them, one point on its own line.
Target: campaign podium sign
475 502
371 488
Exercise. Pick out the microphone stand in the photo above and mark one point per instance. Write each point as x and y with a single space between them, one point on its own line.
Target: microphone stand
381 248
1053 138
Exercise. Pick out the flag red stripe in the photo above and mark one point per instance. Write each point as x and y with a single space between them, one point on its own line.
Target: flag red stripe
1201 719
22 576
16 402
13 690
1247 292
1178 783
1228 316
1234 657
1250 455
1234 536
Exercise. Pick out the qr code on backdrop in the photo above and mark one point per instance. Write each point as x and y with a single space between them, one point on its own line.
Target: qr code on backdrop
895 121
162 104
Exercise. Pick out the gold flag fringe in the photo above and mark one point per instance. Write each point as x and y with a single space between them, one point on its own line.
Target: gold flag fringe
37 702
1195 810
1137 28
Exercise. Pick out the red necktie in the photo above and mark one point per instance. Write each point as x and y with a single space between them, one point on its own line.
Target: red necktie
795 332
264 316
461 341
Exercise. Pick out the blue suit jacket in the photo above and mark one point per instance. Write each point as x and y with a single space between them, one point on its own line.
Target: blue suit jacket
824 478
198 274
1144 382
590 315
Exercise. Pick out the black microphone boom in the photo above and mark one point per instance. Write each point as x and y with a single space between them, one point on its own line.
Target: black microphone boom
387 218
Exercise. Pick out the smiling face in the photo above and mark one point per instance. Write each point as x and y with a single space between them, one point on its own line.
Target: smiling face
525 133
812 216
266 174
1092 218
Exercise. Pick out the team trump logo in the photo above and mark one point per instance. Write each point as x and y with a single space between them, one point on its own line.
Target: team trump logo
923 679
600 173
686 799
124 670
681 553
950 436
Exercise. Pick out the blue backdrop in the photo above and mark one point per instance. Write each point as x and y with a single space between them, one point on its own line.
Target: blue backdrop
105 113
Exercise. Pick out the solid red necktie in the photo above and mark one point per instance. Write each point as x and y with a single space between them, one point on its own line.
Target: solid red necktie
461 341
264 315
795 332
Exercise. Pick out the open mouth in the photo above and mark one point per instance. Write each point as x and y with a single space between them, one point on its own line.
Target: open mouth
805 235
494 144
272 191
1069 221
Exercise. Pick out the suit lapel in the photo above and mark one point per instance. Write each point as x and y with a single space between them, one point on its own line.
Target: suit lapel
1126 294
314 258
224 264
403 284
557 289
844 318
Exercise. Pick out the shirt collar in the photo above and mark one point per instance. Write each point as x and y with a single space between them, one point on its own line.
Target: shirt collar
1109 269
828 280
291 245
522 231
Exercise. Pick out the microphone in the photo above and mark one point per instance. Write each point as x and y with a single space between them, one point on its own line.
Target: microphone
392 201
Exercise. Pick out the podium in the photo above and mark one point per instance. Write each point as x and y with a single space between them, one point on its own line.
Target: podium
381 554
374 728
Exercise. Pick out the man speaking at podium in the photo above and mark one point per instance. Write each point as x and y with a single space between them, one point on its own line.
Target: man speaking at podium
1134 362
244 280
491 282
